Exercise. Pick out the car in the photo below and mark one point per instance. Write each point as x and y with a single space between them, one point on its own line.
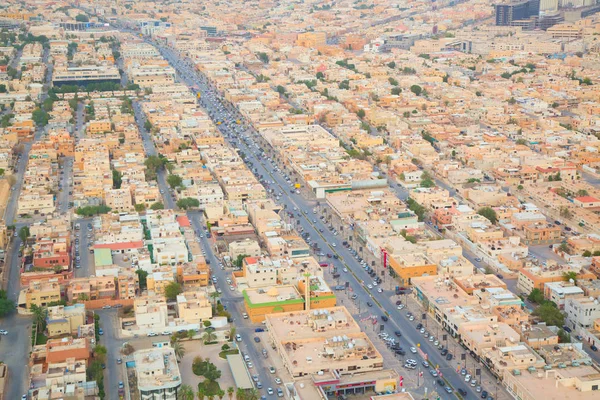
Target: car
250 365
121 385
106 307
467 377
279 392
256 339
441 382
259 385
419 325
369 304
411 318
245 315
379 290
354 296
473 382
448 389
433 373
272 370
370 286
413 350
3 332
444 352
345 269
270 391
478 389
422 331
431 338
278 380
119 361
238 338
478 259
255 378
398 333
384 318
593 347
462 392
100 331
463 371
484 394
151 334
425 364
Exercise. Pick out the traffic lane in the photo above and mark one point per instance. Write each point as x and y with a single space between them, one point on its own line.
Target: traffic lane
85 261
233 304
14 348
113 372
415 336
150 149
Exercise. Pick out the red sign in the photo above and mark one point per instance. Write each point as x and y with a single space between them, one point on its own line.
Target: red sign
384 256
401 381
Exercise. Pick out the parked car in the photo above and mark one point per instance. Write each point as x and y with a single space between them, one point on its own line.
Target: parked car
256 339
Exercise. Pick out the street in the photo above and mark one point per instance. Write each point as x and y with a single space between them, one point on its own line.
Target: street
326 240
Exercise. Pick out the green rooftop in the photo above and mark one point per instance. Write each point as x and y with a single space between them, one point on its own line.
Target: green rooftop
102 257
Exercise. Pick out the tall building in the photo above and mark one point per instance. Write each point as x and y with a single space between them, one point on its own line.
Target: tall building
548 5
506 13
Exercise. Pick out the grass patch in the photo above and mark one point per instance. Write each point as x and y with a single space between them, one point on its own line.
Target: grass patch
211 388
41 338
225 353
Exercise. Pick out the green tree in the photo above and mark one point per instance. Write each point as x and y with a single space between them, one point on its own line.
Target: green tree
280 89
188 202
172 290
565 212
238 262
550 314
563 337
393 81
140 207
214 296
520 187
178 348
157 206
488 213
416 89
586 253
209 335
564 248
142 277
24 233
396 91
263 57
40 117
82 18
185 392
567 276
117 178
230 391
536 296
39 316
6 305
100 353
361 113
148 126
174 181
392 64
320 75
3 88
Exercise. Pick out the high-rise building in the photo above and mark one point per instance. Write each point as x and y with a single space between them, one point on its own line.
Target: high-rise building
548 5
506 13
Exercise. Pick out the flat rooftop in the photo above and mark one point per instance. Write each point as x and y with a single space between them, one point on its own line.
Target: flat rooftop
311 324
156 368
273 294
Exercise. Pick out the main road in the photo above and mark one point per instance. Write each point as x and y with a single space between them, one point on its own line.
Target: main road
383 303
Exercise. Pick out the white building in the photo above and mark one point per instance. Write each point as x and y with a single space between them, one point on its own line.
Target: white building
157 373
581 312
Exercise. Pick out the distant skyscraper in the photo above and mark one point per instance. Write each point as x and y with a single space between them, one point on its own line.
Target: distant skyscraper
506 13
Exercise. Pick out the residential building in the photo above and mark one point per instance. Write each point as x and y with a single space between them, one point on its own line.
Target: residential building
157 373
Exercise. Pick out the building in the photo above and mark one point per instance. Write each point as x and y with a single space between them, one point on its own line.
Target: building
151 312
60 350
62 320
84 75
560 292
193 307
507 13
581 312
157 373
322 341
40 293
260 302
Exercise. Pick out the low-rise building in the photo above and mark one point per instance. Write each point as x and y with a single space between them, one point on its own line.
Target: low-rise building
157 373
65 320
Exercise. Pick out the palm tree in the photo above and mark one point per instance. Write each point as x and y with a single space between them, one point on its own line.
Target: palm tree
201 392
39 316
214 296
232 332
178 349
252 394
185 392
240 394
220 394
230 391
567 276
209 335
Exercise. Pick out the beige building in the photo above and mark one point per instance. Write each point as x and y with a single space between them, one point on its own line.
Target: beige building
193 307
63 320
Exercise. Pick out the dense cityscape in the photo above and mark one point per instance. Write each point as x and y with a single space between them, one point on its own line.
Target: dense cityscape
300 199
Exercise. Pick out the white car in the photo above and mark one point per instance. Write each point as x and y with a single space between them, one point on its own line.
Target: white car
379 290
413 350
345 270
3 332
370 286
